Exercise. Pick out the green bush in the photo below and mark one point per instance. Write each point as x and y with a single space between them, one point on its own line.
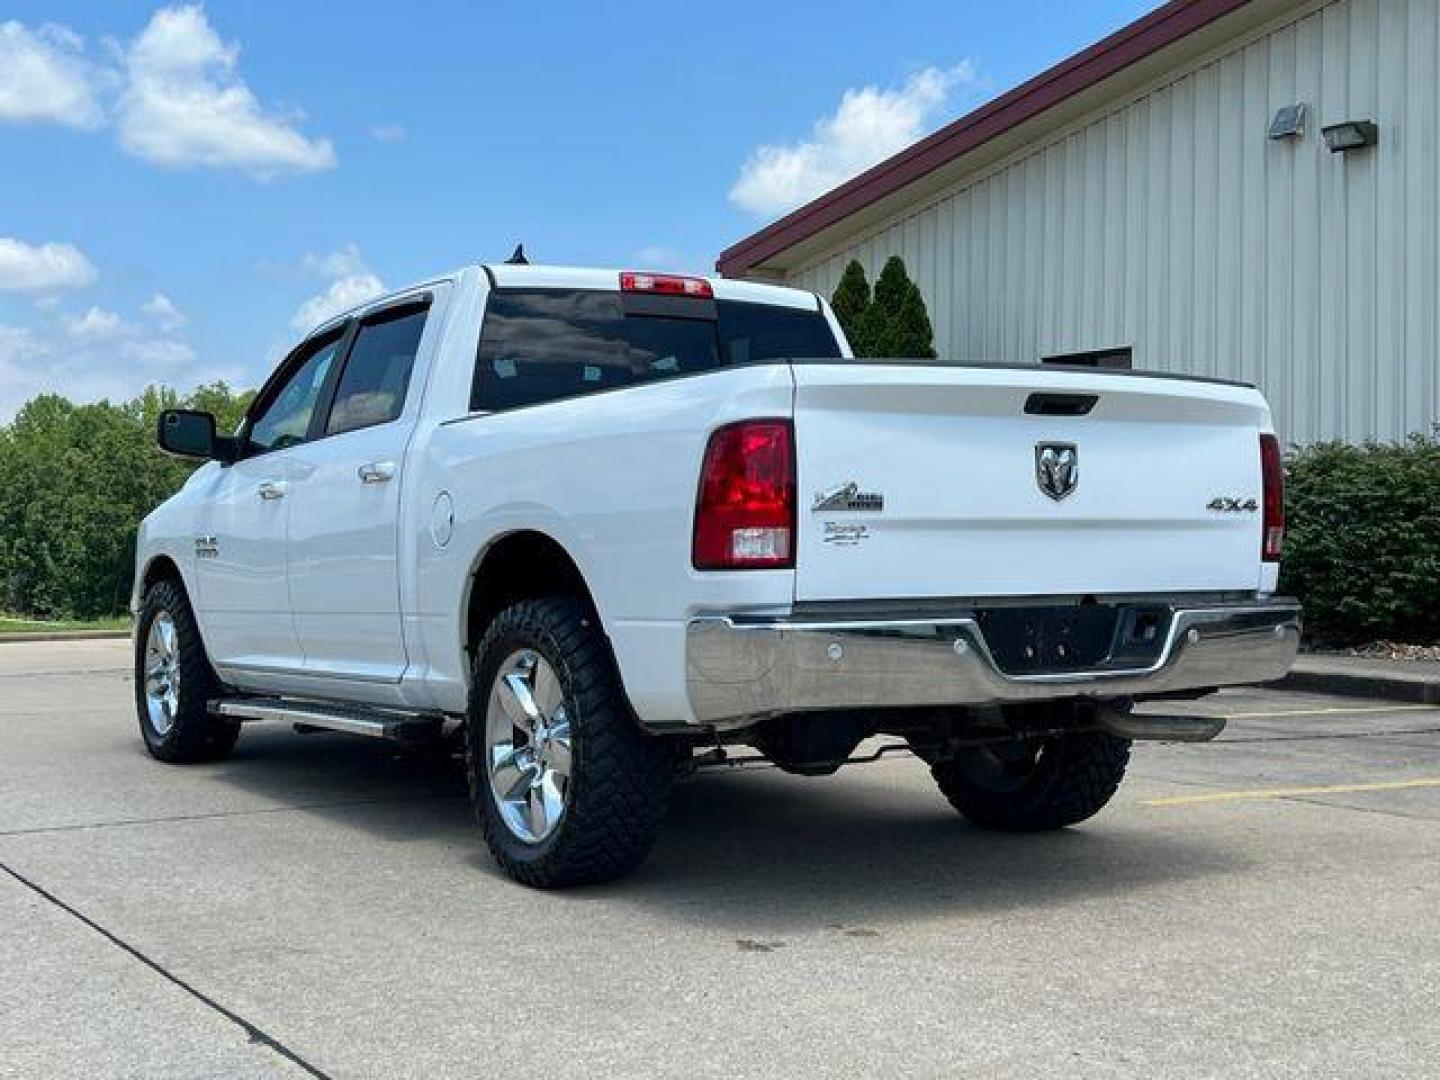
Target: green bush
1363 546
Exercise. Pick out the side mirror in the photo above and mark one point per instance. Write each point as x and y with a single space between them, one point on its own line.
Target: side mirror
192 434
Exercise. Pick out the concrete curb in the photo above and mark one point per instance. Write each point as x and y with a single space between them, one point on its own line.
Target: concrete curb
1400 686
14 638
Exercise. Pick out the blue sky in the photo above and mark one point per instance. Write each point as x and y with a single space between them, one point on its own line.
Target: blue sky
184 186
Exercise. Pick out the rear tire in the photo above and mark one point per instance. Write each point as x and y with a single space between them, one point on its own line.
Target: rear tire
565 786
1035 785
174 682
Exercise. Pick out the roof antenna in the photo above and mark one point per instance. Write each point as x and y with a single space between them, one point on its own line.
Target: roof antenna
517 257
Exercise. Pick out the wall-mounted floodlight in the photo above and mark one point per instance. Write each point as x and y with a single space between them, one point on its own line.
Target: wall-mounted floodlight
1289 122
1350 135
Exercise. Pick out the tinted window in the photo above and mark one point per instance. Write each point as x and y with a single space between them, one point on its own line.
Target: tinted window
754 332
377 372
284 420
542 344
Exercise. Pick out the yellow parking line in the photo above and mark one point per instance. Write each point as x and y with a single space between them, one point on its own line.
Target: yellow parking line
1340 711
1289 793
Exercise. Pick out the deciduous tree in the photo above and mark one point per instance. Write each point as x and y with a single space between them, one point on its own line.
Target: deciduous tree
75 480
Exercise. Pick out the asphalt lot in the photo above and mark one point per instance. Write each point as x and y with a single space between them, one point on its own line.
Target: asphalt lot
1267 905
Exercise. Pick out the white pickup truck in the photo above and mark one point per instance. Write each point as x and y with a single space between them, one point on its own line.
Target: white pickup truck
605 527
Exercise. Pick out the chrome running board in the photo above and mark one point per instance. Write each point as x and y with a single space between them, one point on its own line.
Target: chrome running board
319 716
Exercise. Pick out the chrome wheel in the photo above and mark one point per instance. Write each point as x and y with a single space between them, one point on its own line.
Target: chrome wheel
527 746
162 673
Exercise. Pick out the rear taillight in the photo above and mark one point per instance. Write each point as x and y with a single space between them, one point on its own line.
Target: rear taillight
665 284
745 511
1272 476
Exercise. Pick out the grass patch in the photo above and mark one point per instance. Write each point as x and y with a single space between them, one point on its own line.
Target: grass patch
15 624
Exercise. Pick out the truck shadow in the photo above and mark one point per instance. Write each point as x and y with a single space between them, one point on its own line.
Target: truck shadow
393 793
761 854
765 853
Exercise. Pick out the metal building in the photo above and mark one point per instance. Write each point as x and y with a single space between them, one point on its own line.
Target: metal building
1160 198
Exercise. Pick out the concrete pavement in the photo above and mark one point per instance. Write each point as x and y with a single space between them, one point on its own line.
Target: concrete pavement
1267 905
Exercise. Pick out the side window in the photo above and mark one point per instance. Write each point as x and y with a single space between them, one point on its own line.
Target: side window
284 420
377 371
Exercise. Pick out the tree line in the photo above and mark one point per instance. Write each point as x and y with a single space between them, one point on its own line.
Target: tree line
75 481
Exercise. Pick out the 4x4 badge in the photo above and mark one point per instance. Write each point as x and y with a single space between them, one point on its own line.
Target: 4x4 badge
1057 468
1226 504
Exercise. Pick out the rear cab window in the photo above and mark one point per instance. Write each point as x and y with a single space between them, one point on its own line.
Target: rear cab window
541 345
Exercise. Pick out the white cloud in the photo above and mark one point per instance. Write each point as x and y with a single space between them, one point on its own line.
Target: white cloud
132 341
185 104
342 262
96 323
388 132
156 352
18 383
28 267
351 280
342 295
45 78
163 311
95 354
181 100
869 125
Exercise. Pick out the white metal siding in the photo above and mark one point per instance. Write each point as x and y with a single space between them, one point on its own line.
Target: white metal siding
1171 224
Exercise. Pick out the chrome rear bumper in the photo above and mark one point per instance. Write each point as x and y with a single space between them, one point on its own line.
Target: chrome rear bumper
743 667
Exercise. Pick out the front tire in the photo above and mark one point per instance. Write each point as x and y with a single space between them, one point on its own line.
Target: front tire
174 681
566 788
1035 785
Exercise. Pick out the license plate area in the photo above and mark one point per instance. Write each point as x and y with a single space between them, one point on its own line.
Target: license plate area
1071 638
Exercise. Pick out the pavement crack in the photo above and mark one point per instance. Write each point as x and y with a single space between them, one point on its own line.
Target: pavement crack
253 1032
213 815
1335 735
1311 800
67 672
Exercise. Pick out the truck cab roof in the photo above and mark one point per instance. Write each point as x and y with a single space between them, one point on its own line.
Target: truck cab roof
520 276
513 276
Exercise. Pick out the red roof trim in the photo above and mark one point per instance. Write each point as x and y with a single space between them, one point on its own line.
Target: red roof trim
1161 28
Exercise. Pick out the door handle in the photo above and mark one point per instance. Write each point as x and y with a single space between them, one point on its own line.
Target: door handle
376 472
273 489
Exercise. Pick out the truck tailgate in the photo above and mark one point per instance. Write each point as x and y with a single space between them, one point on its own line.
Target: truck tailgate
928 481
